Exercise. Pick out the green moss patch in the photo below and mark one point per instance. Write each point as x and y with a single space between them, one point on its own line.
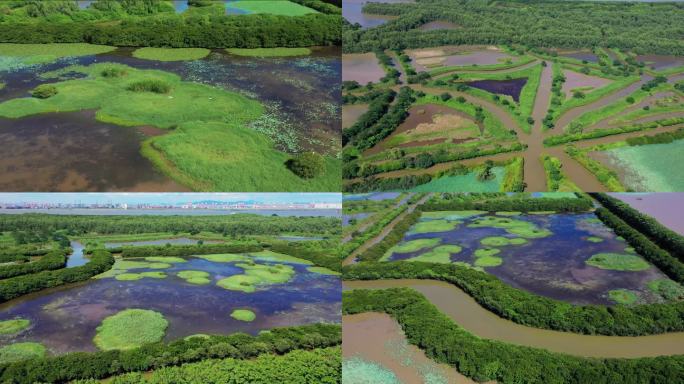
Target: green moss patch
45 53
130 328
166 259
269 52
195 277
122 266
323 271
439 225
667 289
171 54
279 257
257 275
451 215
509 213
274 7
515 227
594 239
618 262
9 327
21 351
486 257
623 296
138 276
499 241
441 254
243 315
415 245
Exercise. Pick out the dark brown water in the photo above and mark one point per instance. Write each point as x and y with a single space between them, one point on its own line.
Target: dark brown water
352 11
351 113
71 151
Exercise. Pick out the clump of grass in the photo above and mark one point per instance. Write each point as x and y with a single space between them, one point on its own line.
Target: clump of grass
149 85
171 54
113 72
243 315
129 329
623 296
9 327
269 52
618 262
306 165
44 91
21 351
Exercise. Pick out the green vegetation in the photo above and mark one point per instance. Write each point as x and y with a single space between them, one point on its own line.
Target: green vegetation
654 165
243 315
257 275
269 52
618 262
623 296
321 365
556 179
594 239
451 215
223 258
306 165
440 254
486 257
129 329
195 277
276 257
45 53
667 289
500 241
171 54
520 228
21 351
274 7
434 226
154 86
415 245
9 327
44 91
138 276
165 259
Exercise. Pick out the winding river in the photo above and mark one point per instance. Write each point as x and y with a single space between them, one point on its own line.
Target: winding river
467 313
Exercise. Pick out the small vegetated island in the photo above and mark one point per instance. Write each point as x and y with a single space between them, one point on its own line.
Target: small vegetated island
178 298
447 95
157 95
510 288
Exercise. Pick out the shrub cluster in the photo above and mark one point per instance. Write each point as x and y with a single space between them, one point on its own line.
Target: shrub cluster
52 260
521 204
149 85
83 365
396 234
306 165
44 91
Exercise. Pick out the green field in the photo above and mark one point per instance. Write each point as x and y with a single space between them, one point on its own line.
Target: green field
274 7
623 296
44 53
434 226
115 332
462 183
618 262
171 54
8 327
21 351
243 315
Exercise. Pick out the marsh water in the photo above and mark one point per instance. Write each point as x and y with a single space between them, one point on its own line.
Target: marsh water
362 68
72 151
552 266
465 56
352 11
509 87
65 319
77 257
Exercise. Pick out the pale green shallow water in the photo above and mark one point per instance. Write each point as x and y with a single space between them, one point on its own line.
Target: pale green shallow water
654 167
359 371
463 183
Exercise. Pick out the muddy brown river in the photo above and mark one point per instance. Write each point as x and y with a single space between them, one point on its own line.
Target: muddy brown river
467 313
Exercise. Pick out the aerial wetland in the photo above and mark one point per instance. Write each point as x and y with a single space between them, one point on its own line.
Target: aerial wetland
249 112
605 118
434 284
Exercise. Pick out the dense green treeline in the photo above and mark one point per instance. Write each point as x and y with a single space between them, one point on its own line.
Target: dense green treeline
375 252
318 366
529 309
376 110
481 359
100 261
52 260
636 26
98 365
453 202
662 236
231 225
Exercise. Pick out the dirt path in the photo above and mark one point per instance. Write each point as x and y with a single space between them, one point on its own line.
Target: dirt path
352 258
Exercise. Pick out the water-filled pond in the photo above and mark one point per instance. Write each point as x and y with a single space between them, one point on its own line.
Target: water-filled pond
362 68
72 151
551 261
352 11
65 319
509 87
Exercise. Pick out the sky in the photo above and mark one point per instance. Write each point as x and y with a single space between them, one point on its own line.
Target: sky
166 198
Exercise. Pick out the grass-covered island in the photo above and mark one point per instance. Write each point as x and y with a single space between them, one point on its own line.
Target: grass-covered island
510 291
169 298
211 96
